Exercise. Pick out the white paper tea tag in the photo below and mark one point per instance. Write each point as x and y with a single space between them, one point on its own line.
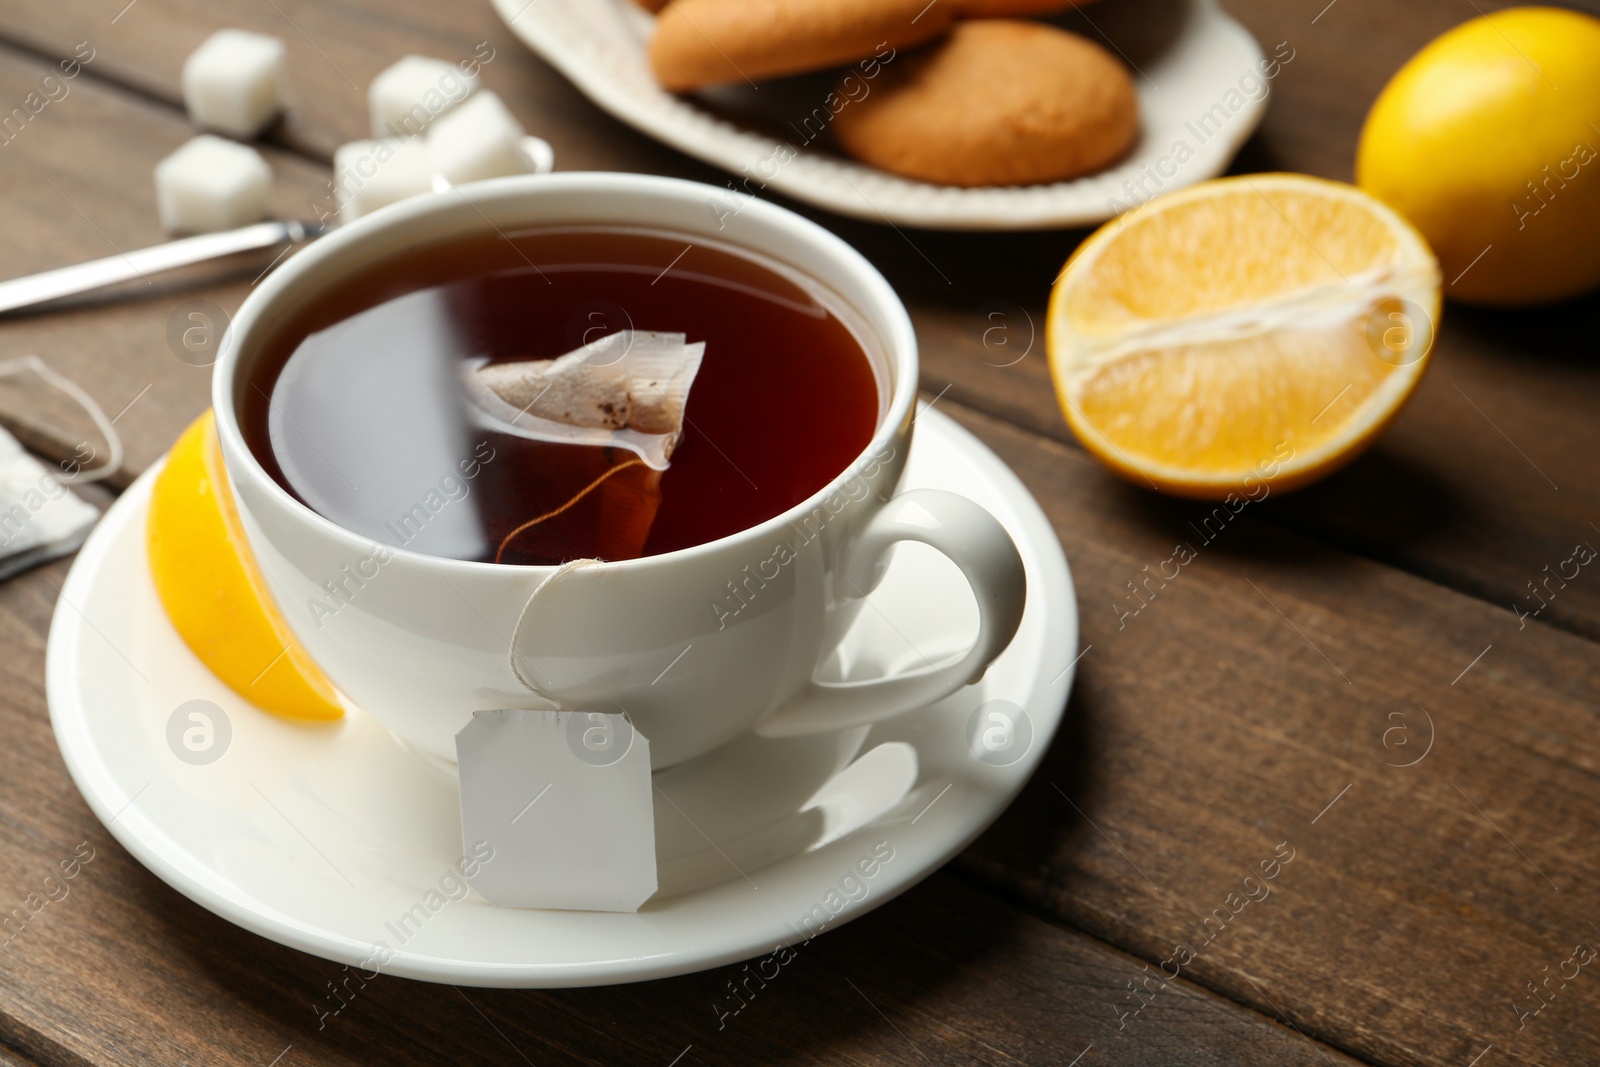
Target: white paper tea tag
40 518
565 800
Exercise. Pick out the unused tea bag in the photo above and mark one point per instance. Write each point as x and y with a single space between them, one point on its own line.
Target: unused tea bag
40 518
611 412
627 389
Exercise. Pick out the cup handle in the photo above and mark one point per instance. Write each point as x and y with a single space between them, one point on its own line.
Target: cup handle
972 539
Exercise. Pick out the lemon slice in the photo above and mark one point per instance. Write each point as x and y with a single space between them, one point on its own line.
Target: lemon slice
213 592
1254 330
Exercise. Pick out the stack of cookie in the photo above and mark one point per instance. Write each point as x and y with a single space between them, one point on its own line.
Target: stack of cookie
954 92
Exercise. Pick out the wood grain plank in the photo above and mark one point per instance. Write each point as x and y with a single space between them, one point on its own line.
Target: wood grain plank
120 969
1485 480
1403 925
9 1058
1464 490
77 185
1270 689
1206 731
334 50
1489 475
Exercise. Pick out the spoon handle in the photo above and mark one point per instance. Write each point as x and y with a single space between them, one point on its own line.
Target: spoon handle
125 266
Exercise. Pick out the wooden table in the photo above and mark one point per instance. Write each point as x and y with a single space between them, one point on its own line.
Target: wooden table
1262 699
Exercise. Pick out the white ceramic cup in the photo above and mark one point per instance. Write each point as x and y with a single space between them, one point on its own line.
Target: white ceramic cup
697 646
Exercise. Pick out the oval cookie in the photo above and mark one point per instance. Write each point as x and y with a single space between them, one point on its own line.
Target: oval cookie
1005 9
715 42
996 103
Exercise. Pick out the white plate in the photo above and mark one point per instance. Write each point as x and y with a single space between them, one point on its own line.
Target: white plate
1187 55
323 838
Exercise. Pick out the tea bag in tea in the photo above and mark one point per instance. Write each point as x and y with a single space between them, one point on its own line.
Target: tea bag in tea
627 389
550 504
612 412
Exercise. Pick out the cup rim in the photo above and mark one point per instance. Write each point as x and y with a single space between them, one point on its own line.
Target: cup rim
868 287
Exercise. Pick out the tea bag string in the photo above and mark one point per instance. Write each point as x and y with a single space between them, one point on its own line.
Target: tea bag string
97 414
516 634
585 491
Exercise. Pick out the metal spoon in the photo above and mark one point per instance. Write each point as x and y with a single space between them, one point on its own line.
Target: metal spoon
125 266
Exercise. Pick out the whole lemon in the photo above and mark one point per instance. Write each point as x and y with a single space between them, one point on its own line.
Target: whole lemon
1487 141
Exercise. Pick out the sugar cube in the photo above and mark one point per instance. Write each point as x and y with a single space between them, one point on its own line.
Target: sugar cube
480 139
409 95
372 174
211 184
541 157
234 82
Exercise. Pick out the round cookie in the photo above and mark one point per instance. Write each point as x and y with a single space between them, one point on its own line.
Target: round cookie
714 42
996 103
1005 9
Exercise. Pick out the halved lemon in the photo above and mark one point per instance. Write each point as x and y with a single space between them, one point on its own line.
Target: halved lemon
1257 330
213 592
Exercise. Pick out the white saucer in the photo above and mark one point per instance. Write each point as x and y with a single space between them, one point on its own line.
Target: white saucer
323 838
1188 55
